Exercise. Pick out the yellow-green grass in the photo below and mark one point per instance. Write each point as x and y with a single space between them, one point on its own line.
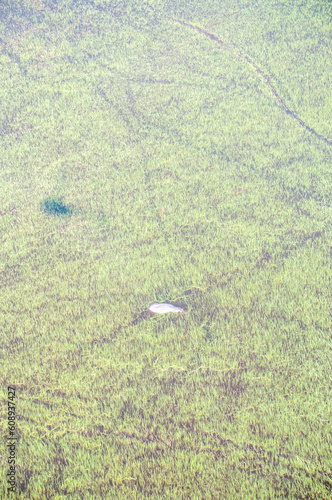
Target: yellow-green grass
141 162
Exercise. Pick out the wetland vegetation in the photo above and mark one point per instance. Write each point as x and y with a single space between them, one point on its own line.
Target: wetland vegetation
146 160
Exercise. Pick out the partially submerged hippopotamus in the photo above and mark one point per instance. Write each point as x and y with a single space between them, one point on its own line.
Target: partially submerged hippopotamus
156 308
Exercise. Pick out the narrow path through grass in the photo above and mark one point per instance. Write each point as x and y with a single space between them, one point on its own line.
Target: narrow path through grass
261 73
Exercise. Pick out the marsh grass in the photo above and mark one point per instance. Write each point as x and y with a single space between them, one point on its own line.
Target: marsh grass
141 163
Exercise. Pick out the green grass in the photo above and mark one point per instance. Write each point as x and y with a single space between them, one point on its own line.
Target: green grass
142 162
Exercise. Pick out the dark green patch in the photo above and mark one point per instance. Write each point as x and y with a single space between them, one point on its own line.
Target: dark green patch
55 206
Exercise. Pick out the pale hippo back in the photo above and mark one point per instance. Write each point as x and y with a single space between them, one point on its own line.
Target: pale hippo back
156 308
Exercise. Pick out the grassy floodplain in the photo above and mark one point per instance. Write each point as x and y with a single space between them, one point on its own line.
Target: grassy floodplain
142 161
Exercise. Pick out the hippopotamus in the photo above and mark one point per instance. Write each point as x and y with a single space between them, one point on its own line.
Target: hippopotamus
156 308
